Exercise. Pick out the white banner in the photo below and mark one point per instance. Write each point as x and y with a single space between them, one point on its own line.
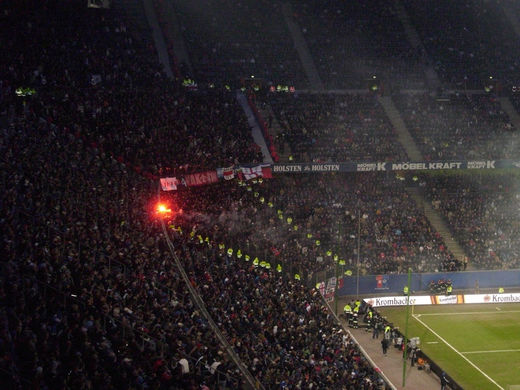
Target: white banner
169 183
492 298
399 301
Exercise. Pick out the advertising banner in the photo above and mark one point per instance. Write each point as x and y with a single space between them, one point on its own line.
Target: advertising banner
399 301
492 298
447 299
443 299
374 166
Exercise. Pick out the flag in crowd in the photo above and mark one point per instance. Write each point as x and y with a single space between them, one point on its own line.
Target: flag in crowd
258 171
228 173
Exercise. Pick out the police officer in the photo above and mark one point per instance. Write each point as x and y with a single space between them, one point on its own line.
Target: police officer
370 317
347 309
388 332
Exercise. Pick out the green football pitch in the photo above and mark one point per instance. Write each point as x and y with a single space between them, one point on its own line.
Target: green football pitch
477 345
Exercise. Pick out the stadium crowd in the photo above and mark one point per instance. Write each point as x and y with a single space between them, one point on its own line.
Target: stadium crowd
466 52
482 213
86 306
229 42
283 332
315 223
352 41
459 127
91 296
335 128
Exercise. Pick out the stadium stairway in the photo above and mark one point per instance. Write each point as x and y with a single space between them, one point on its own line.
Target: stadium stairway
135 14
510 110
415 41
302 49
160 44
256 131
511 16
145 27
174 36
438 223
403 135
275 130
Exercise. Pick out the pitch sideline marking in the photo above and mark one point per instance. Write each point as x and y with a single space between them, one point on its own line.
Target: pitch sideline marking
458 353
467 312
493 351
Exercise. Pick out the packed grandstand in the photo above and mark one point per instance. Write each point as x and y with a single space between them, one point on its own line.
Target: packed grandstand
99 290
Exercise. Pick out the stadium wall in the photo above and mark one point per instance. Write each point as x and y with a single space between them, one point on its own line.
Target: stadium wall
393 283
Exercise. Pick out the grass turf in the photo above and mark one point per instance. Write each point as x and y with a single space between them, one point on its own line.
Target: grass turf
484 340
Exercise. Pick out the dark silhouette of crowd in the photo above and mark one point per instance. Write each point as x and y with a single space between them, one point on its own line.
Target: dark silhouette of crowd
91 298
86 304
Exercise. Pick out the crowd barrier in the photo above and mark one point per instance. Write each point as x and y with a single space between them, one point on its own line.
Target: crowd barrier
394 283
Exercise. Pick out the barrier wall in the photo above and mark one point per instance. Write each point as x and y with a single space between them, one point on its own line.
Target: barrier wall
393 284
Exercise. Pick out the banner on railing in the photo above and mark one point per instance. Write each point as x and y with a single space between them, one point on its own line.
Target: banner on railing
169 183
393 166
202 178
